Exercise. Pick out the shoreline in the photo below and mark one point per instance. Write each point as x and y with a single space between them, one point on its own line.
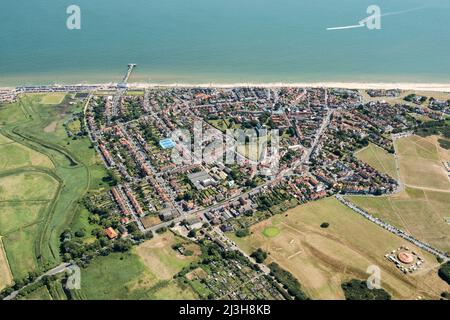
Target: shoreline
437 87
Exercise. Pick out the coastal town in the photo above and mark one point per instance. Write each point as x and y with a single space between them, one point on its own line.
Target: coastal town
210 163
318 131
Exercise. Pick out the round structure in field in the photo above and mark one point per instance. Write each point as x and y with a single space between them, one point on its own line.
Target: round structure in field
405 257
271 232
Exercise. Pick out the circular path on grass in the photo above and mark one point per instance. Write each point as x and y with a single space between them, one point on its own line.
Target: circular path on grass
271 232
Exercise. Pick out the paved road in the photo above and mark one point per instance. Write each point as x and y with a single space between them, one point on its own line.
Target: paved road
59 269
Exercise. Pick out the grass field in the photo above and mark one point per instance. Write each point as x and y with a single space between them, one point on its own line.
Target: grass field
18 215
6 277
14 155
24 201
41 293
422 213
26 186
53 98
423 207
421 163
322 259
161 259
20 248
144 273
379 159
42 176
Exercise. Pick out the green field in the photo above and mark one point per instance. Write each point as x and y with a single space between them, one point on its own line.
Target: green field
271 232
137 274
43 175
25 198
321 259
379 159
14 155
41 293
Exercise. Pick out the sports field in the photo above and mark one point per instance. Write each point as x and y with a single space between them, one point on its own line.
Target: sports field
379 159
144 273
323 258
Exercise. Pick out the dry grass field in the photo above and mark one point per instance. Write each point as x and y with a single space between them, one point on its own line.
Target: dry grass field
53 98
429 94
424 206
322 259
379 159
27 186
422 213
161 259
421 163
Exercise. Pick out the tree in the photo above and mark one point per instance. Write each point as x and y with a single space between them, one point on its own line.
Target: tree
444 272
122 245
358 290
241 233
192 233
80 233
259 255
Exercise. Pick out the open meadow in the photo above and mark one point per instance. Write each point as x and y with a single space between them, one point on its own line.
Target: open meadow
43 175
322 258
144 273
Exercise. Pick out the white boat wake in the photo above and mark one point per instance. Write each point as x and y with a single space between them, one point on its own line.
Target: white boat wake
363 22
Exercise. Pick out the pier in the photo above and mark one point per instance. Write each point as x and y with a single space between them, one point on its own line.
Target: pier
121 89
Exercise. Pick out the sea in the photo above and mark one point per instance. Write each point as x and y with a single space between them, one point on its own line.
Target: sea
224 41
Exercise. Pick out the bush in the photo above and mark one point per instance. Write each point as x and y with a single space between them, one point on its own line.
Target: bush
325 225
444 272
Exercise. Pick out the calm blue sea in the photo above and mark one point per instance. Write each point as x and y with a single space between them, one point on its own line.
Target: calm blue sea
201 41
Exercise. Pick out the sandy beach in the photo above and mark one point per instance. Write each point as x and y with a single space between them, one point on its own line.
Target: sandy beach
438 87
429 87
